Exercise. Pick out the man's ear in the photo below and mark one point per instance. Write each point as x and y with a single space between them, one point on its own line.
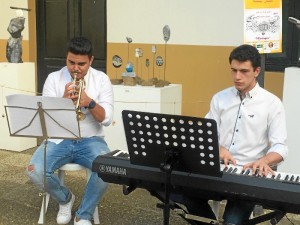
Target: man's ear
257 71
91 60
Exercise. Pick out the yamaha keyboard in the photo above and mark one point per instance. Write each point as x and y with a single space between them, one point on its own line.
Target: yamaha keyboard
280 192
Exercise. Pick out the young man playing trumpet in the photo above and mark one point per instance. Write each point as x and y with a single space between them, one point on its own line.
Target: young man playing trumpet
95 106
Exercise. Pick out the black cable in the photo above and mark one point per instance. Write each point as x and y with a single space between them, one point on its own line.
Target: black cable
289 219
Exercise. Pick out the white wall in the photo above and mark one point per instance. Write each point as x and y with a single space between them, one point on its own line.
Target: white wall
7 14
192 22
291 104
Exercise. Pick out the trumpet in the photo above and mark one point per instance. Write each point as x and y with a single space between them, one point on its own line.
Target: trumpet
78 86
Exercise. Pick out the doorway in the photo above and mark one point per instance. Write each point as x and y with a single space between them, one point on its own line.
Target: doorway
60 20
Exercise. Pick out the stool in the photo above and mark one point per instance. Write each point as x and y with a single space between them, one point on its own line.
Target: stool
61 176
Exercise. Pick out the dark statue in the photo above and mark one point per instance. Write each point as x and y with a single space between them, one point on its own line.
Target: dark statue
14 43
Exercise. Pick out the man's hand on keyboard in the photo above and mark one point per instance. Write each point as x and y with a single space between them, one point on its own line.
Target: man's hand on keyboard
226 156
259 167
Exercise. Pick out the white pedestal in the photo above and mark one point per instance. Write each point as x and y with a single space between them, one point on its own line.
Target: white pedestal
15 78
165 100
291 94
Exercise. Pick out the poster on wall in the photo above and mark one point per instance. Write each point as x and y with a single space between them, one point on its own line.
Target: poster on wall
263 25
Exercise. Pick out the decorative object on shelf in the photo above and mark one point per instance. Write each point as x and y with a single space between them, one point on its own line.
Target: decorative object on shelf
297 23
159 62
153 50
147 63
160 83
129 81
138 55
129 76
166 34
129 67
148 81
153 80
117 63
14 43
129 40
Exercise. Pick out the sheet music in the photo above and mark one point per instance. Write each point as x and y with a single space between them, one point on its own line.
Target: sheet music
59 114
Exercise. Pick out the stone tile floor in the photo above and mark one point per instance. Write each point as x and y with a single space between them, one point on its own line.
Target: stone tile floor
20 202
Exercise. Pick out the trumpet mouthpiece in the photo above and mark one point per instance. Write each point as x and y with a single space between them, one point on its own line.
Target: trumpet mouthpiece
75 76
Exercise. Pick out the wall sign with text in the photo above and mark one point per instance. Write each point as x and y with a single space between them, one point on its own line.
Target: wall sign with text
263 25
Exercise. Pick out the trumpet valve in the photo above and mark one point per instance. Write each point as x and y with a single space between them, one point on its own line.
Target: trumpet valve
80 116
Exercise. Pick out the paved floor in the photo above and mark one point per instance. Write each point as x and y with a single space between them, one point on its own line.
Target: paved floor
20 202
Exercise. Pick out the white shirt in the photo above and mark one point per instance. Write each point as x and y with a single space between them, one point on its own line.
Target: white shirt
98 87
252 127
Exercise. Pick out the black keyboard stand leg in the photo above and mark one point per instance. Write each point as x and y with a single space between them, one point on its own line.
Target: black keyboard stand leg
277 218
167 167
166 209
274 218
128 189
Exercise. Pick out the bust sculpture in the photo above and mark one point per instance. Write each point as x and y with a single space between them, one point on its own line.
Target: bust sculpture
14 43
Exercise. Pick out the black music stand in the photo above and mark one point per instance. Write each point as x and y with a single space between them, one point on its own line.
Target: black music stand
172 143
46 117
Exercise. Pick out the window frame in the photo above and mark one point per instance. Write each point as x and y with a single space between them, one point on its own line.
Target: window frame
290 40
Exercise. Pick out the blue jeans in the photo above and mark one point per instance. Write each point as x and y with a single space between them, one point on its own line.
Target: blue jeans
82 152
237 211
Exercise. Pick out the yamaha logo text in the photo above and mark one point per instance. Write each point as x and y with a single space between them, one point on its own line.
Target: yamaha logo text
112 169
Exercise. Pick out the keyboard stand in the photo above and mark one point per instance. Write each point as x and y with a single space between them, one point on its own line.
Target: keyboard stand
274 218
192 218
182 212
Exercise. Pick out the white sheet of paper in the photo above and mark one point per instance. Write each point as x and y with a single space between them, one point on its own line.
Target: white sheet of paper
59 114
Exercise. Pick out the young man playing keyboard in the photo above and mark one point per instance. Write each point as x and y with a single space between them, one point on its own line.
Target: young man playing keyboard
252 130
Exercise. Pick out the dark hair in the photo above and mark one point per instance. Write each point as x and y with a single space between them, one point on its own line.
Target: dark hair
244 53
80 46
